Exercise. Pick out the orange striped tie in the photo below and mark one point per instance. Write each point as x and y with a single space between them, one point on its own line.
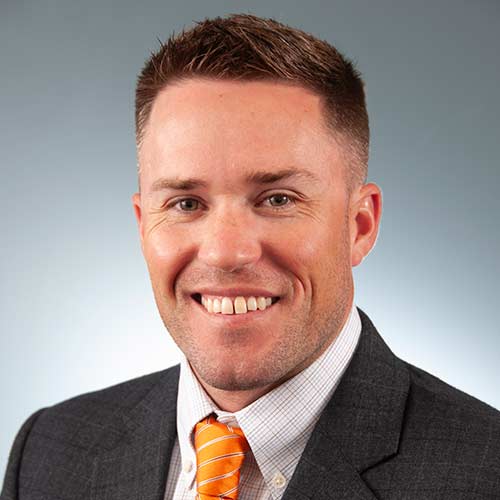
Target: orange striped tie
220 450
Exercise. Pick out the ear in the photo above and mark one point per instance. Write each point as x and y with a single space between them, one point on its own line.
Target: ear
136 203
366 211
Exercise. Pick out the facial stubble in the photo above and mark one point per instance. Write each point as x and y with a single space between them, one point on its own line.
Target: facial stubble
295 345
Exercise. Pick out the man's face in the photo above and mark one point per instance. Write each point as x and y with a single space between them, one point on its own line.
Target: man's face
238 232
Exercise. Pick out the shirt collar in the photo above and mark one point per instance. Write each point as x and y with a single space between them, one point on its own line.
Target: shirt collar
277 425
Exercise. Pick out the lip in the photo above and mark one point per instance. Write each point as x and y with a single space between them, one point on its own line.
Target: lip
234 292
236 319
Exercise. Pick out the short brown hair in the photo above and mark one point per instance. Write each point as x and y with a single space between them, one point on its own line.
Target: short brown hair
246 47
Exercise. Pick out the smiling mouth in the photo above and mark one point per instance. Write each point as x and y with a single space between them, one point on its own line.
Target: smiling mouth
234 305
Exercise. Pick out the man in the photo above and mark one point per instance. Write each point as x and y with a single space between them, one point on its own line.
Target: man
253 208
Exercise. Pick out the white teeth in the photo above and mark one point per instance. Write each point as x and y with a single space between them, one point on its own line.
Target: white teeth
216 306
239 306
227 306
252 304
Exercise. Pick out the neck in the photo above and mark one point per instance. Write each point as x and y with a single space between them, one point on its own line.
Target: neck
233 401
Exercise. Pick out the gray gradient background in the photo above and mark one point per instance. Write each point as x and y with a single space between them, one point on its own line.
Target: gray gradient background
77 312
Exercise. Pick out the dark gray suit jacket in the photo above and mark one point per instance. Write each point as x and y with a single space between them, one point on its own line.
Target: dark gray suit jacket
391 431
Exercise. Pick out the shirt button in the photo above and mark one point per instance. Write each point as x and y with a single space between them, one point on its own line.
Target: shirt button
188 466
279 480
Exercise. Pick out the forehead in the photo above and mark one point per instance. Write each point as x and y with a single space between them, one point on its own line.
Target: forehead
208 127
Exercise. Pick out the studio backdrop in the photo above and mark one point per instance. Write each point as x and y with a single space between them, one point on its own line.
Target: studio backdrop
76 309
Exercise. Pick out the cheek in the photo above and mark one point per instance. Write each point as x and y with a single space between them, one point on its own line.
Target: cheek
166 252
161 248
299 251
316 252
307 246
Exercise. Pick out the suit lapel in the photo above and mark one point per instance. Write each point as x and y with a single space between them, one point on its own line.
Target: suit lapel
138 463
360 426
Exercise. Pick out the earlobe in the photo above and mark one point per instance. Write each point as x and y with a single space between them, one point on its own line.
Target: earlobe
365 222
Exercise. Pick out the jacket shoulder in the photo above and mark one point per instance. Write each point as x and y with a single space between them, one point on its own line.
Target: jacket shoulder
463 429
449 445
76 430
122 395
440 394
94 420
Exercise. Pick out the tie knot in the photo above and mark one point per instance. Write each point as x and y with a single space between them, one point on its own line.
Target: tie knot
220 450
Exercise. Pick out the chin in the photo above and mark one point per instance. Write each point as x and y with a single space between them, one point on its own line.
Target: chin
235 377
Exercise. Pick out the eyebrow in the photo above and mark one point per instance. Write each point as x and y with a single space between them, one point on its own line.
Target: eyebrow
257 178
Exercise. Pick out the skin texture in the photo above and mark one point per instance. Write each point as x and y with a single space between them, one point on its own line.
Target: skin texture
299 244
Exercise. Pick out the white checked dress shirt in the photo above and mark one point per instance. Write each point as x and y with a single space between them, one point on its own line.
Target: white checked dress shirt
277 425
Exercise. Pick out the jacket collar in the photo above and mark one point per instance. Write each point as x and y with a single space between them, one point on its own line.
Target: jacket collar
360 426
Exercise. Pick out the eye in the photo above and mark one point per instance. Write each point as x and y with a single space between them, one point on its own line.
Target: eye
187 204
280 200
276 201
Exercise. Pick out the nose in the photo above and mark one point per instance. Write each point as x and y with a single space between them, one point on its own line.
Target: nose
228 241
